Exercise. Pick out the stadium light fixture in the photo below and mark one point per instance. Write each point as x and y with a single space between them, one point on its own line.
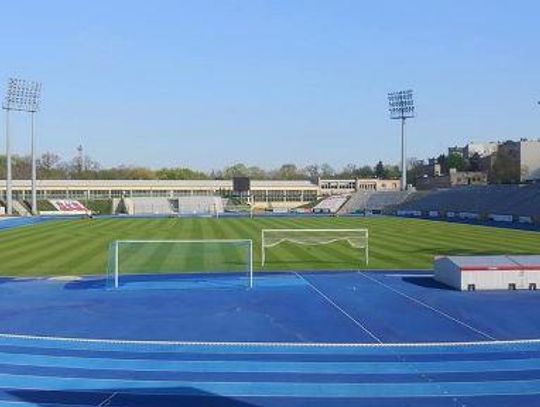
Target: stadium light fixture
21 96
401 107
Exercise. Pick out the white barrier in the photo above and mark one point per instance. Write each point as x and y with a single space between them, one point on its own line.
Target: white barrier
500 218
433 214
469 215
409 213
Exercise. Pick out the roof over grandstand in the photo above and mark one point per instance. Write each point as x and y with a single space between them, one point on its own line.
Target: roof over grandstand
203 184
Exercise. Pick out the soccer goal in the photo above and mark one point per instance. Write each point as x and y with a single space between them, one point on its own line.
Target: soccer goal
135 257
356 238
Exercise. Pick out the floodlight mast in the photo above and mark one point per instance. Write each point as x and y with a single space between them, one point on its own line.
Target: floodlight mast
21 96
401 107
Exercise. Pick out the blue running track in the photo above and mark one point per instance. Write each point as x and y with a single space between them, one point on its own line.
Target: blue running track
296 339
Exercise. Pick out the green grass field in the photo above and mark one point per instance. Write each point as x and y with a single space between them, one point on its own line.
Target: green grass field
80 247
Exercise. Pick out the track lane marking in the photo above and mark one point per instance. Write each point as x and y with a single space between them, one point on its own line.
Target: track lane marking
423 304
336 306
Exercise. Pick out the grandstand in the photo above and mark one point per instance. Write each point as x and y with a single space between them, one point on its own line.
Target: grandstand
146 206
198 205
264 194
487 202
169 206
331 204
373 201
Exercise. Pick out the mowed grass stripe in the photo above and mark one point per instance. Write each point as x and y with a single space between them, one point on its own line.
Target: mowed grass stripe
80 247
450 243
63 248
95 244
229 255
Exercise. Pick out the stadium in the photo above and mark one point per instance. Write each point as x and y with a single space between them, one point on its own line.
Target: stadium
158 284
222 305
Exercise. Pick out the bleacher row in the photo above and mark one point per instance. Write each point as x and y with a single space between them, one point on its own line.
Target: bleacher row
498 202
477 202
331 204
373 201
167 206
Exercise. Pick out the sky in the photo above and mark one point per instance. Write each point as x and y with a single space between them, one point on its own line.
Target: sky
206 84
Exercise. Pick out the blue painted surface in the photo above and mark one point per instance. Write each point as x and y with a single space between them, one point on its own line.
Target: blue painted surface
17 222
311 307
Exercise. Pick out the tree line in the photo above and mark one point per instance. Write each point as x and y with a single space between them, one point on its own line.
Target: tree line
52 166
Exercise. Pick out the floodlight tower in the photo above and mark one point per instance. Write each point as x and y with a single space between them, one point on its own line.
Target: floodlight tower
401 106
21 96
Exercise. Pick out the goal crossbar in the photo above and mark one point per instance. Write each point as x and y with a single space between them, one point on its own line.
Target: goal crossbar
115 247
357 238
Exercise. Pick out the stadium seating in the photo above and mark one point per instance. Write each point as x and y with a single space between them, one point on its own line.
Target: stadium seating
199 204
517 200
147 206
381 200
68 206
374 200
331 204
20 208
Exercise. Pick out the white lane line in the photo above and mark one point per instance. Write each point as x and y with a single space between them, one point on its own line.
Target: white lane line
107 401
84 343
423 304
357 323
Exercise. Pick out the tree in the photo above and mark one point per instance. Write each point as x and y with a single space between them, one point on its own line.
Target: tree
391 172
475 162
50 166
327 171
456 161
49 161
288 172
349 171
313 172
379 170
236 170
257 173
505 170
179 173
365 172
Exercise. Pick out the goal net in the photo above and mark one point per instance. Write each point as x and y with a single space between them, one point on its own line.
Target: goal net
356 238
136 257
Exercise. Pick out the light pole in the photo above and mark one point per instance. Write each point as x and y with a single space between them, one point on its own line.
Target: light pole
401 106
21 96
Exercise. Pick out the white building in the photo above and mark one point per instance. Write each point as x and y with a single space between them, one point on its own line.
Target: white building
482 149
470 273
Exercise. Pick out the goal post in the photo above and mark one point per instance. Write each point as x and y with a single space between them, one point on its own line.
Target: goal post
203 256
356 238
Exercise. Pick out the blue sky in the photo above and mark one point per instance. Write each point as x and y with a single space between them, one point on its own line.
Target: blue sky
209 83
